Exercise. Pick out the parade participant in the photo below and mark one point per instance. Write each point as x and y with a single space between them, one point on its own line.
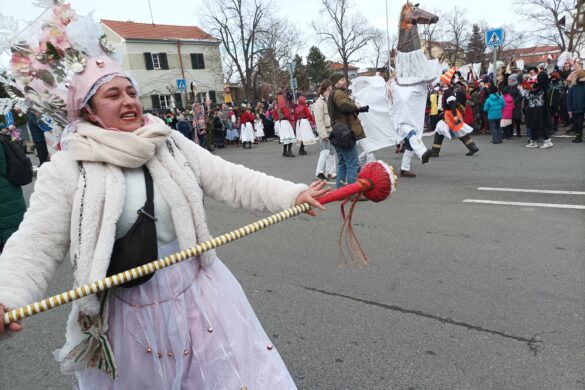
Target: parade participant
323 124
189 325
284 127
452 123
259 128
346 129
304 120
232 135
246 127
404 95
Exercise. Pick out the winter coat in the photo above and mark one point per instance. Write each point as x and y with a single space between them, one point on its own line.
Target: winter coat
12 205
576 98
37 134
67 194
342 109
535 116
493 106
434 100
185 128
556 94
517 96
508 111
322 118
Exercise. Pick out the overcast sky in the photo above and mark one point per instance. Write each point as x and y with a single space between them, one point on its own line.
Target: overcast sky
301 12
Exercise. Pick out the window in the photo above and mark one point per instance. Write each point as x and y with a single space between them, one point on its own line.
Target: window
165 101
212 97
197 61
156 61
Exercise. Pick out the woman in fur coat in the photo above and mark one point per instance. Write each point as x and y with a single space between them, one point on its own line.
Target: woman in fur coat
190 326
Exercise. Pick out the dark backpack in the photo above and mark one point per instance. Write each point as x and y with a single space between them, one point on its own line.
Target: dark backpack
342 136
19 170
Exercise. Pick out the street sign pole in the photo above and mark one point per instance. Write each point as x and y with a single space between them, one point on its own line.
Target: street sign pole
495 50
493 39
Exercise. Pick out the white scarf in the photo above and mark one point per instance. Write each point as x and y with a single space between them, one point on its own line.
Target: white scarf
120 148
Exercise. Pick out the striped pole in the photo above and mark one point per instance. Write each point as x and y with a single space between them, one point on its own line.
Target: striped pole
138 272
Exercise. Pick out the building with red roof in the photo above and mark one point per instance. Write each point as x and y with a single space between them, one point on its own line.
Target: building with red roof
337 67
158 55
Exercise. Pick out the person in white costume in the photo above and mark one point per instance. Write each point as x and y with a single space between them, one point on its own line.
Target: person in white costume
397 108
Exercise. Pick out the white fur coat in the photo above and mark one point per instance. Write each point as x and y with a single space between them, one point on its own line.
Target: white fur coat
74 209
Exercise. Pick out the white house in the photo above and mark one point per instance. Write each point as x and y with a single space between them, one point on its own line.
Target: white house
159 55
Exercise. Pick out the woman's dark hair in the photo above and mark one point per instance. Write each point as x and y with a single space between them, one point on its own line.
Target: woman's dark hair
506 89
324 85
493 89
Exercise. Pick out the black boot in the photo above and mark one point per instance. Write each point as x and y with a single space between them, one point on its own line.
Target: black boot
426 156
468 142
437 143
302 150
578 139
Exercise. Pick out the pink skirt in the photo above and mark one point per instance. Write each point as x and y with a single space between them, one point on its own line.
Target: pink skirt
188 327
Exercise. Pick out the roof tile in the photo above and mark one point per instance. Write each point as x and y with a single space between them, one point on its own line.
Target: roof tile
133 30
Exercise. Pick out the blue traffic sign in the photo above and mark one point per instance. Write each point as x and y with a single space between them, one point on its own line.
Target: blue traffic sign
181 84
494 37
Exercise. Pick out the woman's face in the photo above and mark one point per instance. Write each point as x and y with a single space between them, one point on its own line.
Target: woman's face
117 105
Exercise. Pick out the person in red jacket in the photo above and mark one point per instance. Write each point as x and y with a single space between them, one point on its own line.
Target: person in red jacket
247 128
285 130
305 123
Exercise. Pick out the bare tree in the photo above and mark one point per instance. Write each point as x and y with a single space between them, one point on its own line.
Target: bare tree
553 21
377 54
430 32
347 32
457 31
238 24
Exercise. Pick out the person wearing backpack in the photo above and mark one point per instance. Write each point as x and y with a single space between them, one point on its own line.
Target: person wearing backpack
346 130
12 205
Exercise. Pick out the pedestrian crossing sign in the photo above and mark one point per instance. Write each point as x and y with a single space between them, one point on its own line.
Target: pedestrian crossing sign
181 84
494 37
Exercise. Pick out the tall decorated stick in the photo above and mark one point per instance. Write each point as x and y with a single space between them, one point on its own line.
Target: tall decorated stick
376 181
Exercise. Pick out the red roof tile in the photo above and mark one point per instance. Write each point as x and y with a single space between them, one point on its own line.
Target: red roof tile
133 30
338 66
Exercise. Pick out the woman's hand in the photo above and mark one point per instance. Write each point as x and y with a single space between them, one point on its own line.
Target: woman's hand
315 190
13 326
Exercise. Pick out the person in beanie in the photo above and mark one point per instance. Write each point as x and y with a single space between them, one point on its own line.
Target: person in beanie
517 98
576 104
343 110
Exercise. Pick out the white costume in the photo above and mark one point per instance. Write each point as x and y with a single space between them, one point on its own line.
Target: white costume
259 128
247 132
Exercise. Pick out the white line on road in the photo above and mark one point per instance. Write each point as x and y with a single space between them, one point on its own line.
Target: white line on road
526 204
533 191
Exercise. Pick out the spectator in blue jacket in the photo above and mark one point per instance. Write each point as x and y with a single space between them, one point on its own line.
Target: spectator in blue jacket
493 106
38 137
576 104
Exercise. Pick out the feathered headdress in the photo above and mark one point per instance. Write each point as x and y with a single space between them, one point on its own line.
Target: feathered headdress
45 57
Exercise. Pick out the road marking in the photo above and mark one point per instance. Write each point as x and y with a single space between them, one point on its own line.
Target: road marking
533 191
526 204
563 136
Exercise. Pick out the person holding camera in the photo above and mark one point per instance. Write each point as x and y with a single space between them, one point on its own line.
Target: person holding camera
346 130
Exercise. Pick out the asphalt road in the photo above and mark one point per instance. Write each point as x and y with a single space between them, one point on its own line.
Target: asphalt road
456 295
